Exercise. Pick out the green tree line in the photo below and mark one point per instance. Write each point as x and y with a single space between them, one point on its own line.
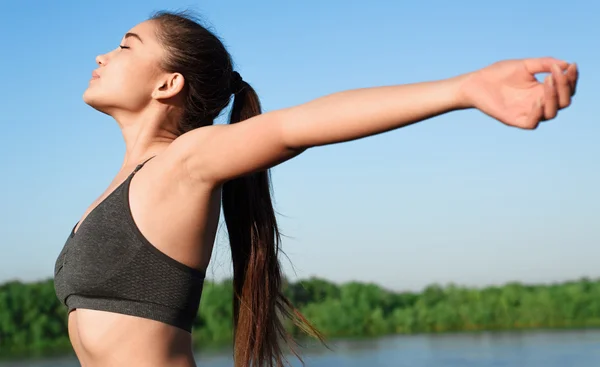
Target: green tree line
32 320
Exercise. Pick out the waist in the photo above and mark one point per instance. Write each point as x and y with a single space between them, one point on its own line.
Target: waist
105 338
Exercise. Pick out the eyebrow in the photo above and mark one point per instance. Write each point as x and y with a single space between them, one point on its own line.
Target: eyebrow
134 35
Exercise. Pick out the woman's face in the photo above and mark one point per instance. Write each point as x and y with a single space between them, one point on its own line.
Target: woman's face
128 76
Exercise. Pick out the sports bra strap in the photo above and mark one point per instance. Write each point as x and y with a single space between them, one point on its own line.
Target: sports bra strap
139 166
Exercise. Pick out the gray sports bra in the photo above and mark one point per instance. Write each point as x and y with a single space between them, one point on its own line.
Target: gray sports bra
109 265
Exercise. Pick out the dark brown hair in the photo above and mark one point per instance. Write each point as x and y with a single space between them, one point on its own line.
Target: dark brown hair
258 302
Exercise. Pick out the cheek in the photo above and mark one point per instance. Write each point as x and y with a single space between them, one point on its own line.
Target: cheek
122 86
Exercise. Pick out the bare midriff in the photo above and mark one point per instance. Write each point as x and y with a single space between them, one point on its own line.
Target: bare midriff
106 339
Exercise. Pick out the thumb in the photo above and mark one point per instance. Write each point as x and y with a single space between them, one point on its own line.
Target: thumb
536 115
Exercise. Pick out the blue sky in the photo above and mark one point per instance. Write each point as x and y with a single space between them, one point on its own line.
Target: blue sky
459 198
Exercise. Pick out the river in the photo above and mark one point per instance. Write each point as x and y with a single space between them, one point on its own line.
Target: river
499 349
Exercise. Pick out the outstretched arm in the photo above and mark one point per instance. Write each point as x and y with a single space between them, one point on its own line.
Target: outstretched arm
507 91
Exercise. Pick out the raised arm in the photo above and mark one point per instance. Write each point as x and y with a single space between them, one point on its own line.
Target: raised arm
507 91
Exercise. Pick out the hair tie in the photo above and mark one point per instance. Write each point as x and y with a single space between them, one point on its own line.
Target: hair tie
236 83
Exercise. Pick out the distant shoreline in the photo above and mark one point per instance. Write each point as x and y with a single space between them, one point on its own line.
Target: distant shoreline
33 322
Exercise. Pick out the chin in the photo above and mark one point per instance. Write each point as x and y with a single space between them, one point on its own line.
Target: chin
94 101
89 97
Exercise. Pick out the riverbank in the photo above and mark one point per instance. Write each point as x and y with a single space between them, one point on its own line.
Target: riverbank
33 322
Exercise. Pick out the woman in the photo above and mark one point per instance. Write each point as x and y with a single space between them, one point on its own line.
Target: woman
132 269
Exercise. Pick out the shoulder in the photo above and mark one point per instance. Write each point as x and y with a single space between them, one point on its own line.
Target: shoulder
175 163
195 152
164 184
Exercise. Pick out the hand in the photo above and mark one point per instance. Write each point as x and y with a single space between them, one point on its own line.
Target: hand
509 92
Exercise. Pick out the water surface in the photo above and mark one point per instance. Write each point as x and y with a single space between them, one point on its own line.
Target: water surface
505 349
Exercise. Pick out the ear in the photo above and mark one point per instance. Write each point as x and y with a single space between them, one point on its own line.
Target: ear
169 86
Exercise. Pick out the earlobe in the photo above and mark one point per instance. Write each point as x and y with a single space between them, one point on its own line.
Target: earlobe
169 87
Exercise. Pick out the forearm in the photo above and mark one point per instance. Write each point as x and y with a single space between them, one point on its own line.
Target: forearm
359 113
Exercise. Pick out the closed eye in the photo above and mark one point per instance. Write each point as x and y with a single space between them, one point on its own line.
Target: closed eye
124 47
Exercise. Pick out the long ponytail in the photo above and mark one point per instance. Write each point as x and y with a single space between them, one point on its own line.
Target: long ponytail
258 301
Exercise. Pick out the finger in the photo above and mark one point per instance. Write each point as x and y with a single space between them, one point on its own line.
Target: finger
536 115
550 98
573 77
562 86
543 64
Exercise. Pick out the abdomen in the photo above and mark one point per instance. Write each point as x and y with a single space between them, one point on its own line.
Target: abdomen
107 339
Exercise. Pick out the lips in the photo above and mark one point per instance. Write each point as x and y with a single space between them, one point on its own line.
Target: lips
95 75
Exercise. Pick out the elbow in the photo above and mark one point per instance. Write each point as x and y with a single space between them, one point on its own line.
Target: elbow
290 128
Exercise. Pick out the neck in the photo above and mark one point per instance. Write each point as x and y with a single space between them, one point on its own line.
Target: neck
146 134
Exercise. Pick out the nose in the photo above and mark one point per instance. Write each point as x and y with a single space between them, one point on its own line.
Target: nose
101 60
